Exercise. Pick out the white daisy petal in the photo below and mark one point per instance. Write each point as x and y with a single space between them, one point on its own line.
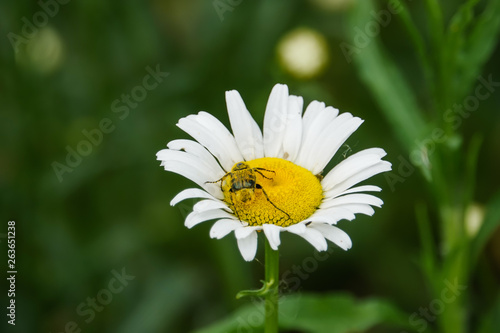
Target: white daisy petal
195 218
316 118
332 215
191 168
327 138
312 122
190 193
248 246
298 228
352 165
333 234
366 173
359 209
339 132
357 198
272 233
316 239
194 148
293 129
210 204
246 131
214 136
275 121
377 151
324 124
218 129
223 227
363 188
244 232
314 111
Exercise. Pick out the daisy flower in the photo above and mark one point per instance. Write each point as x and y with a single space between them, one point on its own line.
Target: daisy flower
270 181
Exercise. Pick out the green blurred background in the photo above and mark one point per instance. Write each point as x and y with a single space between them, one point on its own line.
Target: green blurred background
111 212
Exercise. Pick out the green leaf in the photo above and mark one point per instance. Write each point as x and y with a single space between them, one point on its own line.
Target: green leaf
428 249
463 17
248 318
490 223
472 159
435 24
490 322
452 46
386 83
478 46
418 42
330 313
263 291
337 313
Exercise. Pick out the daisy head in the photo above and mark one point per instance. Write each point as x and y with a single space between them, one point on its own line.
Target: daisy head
252 181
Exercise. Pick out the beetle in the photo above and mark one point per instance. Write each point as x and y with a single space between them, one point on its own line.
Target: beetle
242 182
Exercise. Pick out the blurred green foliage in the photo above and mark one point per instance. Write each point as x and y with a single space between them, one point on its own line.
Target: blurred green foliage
329 313
111 211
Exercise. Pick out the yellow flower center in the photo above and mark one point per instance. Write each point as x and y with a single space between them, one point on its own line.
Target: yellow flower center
271 191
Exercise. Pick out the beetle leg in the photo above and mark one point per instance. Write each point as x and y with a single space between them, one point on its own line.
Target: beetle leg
281 210
260 173
219 180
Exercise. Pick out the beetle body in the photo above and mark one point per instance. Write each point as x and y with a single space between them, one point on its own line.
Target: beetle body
241 183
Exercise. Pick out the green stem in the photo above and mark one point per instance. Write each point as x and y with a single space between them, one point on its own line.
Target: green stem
272 276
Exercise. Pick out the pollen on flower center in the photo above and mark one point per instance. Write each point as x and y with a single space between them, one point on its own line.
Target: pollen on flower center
271 191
